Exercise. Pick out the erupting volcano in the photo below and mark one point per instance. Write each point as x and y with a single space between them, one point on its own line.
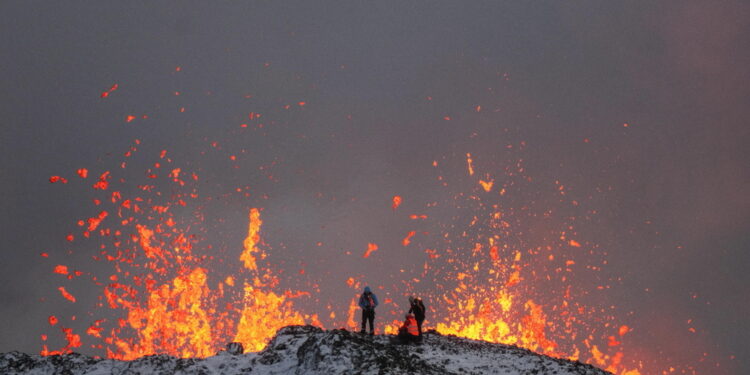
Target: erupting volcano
496 254
548 179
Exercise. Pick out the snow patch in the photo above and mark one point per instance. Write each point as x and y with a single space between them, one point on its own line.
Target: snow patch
311 350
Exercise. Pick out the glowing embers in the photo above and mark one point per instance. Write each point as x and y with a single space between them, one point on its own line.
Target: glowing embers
251 241
509 272
171 298
65 294
371 247
108 92
73 340
396 202
185 317
161 288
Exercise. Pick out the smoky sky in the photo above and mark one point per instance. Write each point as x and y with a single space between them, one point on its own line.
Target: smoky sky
638 107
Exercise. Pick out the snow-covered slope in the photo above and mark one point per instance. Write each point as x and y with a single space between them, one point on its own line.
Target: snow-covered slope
311 350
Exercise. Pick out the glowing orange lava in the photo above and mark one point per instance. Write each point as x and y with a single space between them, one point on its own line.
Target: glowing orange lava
371 247
396 202
171 292
169 305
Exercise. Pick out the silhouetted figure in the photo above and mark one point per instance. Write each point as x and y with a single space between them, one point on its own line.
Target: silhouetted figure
417 308
368 301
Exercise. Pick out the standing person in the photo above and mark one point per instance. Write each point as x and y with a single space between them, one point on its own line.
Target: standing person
417 308
368 301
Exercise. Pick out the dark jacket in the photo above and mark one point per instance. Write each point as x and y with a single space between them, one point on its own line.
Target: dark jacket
417 308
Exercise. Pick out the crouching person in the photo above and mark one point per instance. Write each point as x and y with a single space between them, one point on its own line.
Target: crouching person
408 332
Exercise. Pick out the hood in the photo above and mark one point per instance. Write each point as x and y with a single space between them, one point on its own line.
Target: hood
367 289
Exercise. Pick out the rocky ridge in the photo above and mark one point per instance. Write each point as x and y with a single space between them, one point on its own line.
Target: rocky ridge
311 350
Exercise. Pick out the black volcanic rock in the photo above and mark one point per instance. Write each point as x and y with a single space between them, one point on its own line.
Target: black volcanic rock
311 350
235 348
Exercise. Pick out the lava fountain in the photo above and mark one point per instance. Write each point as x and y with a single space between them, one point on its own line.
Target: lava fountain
500 253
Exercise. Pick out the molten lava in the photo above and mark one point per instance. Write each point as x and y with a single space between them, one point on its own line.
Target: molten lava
169 304
172 292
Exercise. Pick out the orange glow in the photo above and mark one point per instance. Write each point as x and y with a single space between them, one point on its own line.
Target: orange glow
103 182
612 341
486 185
93 222
83 172
251 241
396 202
74 340
174 320
111 90
623 330
508 309
66 295
370 248
177 295
493 253
407 240
145 235
263 314
94 331
514 279
350 322
183 316
535 326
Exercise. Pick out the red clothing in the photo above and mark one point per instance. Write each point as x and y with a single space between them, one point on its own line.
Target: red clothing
410 326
